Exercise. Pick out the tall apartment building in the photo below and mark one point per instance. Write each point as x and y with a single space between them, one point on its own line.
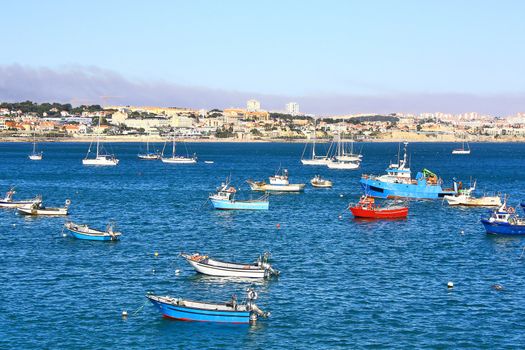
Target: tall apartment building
292 108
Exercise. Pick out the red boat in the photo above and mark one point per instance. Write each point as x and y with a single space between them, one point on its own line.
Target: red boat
367 208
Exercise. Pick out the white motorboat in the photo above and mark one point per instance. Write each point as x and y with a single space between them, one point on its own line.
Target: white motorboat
465 198
175 159
8 202
205 265
35 155
37 209
278 183
100 159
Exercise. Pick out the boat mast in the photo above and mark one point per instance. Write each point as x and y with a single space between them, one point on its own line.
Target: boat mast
34 142
173 148
98 135
313 145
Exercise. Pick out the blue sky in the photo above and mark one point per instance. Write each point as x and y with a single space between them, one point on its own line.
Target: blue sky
396 53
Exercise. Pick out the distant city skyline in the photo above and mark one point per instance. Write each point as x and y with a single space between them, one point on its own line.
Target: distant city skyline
330 57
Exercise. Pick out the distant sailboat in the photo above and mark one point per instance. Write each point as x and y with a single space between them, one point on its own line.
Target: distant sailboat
175 159
35 155
314 159
100 159
462 150
342 160
149 155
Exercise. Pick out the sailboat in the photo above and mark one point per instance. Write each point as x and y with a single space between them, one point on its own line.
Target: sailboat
100 159
342 160
148 155
346 156
315 159
462 150
175 159
35 155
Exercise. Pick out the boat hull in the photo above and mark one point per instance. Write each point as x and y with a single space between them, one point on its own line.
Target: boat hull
35 157
87 237
395 213
148 156
277 188
473 202
503 228
43 212
388 190
220 271
342 166
100 161
239 205
323 184
199 315
460 152
17 204
318 162
178 161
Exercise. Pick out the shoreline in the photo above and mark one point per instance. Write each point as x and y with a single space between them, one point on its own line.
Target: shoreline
137 139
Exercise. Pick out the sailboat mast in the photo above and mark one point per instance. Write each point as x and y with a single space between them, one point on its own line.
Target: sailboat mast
98 135
313 145
173 149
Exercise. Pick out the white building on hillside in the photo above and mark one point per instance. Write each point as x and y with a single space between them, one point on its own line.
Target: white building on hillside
292 108
253 105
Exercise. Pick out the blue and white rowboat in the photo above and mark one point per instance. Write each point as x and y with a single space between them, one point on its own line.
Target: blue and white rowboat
229 312
85 232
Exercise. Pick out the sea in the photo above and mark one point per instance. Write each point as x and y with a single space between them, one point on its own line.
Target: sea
344 283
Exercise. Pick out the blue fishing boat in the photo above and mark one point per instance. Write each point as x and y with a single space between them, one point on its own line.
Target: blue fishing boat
224 199
80 231
229 312
504 221
398 183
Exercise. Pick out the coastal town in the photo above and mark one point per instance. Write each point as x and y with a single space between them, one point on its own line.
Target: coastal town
251 123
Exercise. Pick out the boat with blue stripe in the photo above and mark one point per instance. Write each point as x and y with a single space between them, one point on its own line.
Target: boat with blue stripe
81 231
229 312
504 221
224 199
398 183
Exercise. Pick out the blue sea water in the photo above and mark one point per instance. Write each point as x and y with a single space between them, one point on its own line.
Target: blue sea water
345 283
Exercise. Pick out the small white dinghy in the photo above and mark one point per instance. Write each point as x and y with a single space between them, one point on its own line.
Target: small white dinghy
37 209
207 266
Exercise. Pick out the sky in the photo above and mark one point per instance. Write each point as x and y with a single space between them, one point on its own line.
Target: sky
332 57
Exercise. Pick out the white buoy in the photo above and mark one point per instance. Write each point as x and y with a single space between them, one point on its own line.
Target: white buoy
153 271
341 195
340 217
14 225
177 272
156 254
450 285
64 235
124 314
462 232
